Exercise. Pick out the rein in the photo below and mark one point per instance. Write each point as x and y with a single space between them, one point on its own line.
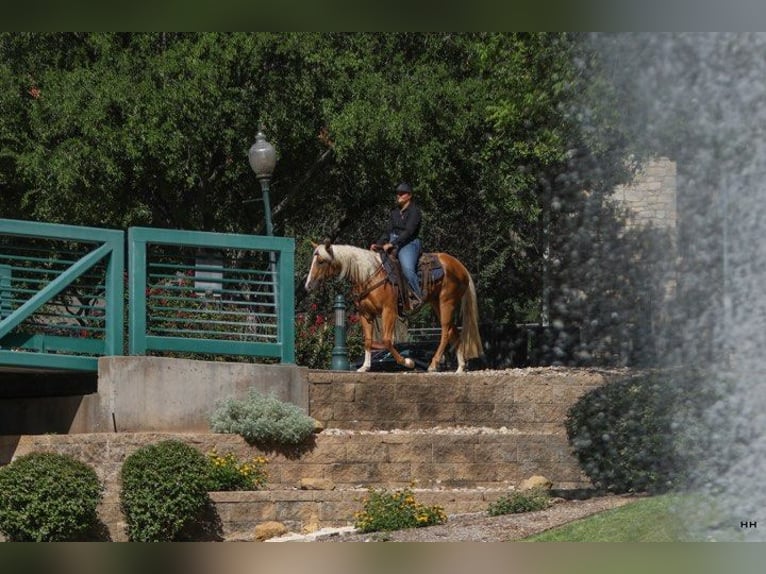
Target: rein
361 290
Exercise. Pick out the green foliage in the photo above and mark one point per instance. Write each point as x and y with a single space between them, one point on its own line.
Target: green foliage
154 129
624 434
261 418
48 497
226 472
164 490
384 510
521 501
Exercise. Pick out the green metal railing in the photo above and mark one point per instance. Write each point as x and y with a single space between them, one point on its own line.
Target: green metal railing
202 294
190 294
61 295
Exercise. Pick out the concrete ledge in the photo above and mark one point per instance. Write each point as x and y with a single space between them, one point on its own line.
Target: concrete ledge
139 394
160 394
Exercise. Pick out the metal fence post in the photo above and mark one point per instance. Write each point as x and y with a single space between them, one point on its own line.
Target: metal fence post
339 351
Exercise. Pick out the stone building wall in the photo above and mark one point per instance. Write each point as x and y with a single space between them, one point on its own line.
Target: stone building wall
651 198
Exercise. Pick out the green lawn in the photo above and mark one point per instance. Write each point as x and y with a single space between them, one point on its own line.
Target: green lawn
646 520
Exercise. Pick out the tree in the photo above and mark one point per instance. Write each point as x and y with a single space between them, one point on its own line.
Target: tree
154 127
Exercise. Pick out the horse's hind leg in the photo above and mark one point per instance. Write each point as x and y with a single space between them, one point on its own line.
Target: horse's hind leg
449 334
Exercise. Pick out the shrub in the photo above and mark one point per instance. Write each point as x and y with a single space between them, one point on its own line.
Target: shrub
226 472
262 419
164 490
522 501
48 497
623 434
384 510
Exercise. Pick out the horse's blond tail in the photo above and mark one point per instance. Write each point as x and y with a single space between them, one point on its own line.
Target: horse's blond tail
470 339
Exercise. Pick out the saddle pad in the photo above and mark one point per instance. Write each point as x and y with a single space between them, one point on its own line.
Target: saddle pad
429 264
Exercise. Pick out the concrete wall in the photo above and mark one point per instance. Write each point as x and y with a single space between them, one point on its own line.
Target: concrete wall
152 394
159 394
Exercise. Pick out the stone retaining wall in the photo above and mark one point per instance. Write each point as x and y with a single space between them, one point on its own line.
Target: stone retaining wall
464 439
306 510
534 399
458 468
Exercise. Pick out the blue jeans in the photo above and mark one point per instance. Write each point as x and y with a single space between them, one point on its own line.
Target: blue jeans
408 258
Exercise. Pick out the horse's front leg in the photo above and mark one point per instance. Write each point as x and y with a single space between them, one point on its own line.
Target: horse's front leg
367 332
388 324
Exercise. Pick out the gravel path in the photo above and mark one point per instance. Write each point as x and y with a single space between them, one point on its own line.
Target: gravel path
479 526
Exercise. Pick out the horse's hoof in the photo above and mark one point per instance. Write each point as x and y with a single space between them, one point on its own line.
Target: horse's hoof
409 363
432 369
459 370
362 369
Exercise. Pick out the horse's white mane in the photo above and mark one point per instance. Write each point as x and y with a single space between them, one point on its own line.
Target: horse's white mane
356 264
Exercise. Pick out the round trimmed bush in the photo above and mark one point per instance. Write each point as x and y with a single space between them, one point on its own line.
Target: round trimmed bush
164 490
628 435
48 497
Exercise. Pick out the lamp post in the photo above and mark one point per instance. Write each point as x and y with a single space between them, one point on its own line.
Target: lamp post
339 351
263 160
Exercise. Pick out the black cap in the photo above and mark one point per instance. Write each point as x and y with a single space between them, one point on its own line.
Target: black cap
403 188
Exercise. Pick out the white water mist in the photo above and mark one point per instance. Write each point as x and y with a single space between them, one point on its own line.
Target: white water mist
701 99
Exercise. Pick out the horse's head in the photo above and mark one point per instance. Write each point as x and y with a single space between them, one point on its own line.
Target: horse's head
323 265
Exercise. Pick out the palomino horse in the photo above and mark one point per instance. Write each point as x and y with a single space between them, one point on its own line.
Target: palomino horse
376 296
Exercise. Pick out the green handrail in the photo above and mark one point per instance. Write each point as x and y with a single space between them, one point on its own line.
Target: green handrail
195 294
202 295
61 294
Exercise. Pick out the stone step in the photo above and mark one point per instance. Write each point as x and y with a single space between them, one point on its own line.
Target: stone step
462 457
534 400
304 511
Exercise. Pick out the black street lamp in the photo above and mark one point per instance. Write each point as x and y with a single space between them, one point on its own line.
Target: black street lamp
263 160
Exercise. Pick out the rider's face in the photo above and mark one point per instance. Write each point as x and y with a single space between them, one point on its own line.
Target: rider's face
403 198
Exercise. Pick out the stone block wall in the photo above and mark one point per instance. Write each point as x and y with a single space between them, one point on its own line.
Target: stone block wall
534 400
651 197
461 440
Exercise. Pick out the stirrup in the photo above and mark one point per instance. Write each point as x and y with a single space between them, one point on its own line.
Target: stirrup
414 303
